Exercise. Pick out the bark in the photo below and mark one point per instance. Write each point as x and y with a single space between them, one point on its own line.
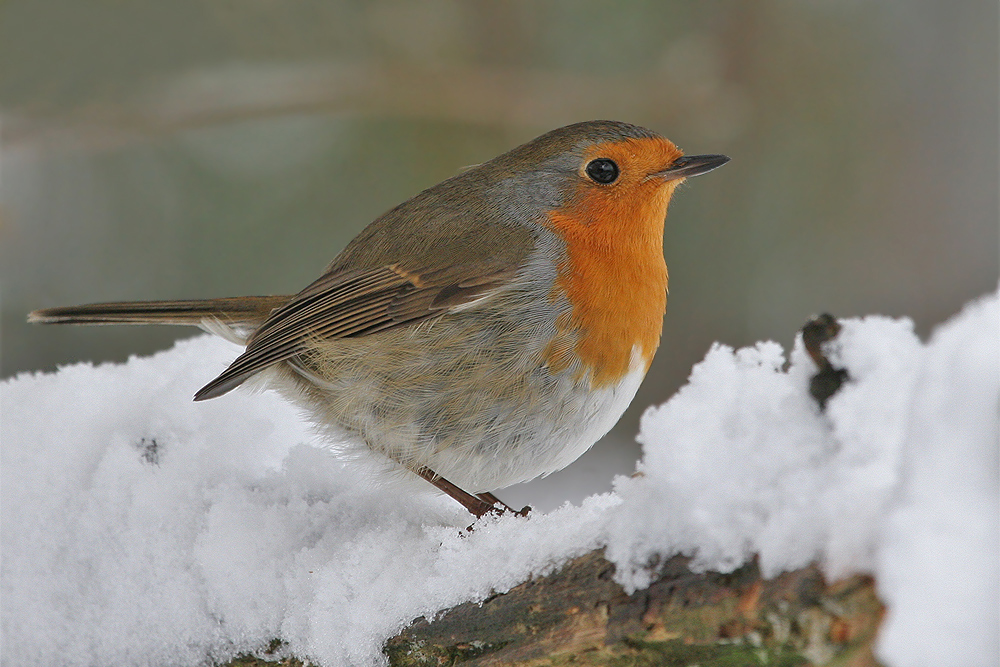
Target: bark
580 616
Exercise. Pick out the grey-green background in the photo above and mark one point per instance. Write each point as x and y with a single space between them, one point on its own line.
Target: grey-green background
198 148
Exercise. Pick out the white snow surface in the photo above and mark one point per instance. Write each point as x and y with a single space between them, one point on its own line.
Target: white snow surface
238 526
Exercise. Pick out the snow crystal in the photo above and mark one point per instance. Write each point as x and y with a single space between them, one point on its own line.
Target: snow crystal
140 528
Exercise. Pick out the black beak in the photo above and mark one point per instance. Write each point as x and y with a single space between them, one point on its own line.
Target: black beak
692 165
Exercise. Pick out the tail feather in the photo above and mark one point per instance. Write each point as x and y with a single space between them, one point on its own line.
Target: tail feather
233 318
232 311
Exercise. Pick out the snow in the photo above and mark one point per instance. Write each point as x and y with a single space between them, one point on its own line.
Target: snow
238 526
747 464
946 516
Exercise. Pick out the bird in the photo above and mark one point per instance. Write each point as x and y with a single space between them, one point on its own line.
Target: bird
485 332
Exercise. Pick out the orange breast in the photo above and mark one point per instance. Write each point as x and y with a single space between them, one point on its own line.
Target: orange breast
614 274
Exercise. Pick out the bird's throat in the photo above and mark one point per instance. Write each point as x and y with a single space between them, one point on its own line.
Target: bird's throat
615 278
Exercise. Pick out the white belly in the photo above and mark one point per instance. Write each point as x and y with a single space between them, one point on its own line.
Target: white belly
550 440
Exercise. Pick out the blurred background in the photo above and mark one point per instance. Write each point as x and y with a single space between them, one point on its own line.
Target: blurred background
199 148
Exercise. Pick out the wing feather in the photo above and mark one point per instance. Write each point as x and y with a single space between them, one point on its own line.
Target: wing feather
355 303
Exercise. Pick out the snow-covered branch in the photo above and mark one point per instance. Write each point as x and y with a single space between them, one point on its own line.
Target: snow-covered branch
140 528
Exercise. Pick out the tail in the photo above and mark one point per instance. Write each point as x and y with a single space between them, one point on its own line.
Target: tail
242 313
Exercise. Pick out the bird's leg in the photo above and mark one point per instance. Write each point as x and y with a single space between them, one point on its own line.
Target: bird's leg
479 504
474 504
493 501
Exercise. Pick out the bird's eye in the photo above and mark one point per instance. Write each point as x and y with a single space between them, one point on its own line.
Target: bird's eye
602 170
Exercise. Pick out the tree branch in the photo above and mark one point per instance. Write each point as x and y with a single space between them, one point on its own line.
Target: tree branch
579 615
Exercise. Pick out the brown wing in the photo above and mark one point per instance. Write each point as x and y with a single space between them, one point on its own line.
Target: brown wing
357 303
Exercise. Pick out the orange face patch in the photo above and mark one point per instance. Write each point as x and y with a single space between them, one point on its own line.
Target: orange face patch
614 275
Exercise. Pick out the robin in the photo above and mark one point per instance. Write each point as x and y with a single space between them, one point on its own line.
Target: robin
483 333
